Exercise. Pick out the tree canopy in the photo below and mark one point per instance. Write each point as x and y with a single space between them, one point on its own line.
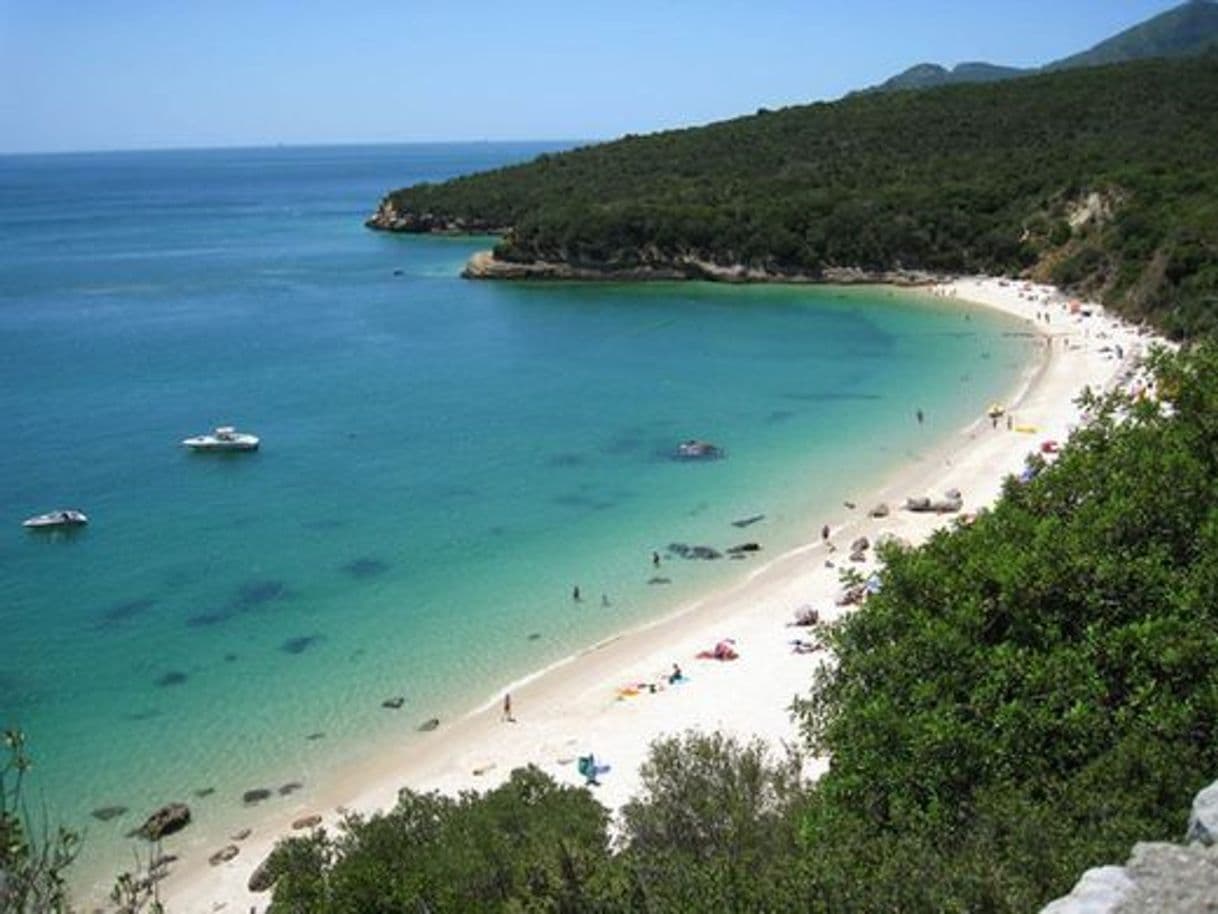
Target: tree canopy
1102 180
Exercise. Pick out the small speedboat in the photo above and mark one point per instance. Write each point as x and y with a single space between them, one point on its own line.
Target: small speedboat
225 438
67 517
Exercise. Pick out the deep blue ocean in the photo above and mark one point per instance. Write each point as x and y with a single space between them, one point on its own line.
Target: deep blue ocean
442 460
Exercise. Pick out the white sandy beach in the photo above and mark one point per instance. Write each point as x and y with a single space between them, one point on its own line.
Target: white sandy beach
574 707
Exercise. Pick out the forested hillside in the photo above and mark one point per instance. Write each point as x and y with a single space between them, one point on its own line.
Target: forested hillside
1102 180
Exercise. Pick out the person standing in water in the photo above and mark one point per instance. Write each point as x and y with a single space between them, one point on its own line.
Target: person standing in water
921 416
655 559
575 594
824 533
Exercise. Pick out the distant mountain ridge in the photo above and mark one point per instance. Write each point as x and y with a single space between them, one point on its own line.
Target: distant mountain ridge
1184 31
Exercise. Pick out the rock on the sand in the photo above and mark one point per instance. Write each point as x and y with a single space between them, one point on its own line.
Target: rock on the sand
165 821
306 822
1203 820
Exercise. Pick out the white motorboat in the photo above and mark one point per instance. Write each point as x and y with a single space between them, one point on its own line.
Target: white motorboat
225 438
67 517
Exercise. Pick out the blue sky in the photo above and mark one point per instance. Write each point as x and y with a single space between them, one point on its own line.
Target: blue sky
137 74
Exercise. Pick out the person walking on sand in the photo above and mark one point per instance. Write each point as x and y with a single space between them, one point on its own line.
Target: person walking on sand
507 717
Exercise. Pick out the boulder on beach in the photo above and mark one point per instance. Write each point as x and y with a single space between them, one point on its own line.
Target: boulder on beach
165 821
242 835
306 822
743 548
290 788
858 556
862 544
880 510
429 725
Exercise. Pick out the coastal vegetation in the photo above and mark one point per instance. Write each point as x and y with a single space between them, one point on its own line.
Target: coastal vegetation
1103 181
1025 697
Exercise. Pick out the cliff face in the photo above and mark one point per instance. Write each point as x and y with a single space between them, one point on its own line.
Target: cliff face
388 218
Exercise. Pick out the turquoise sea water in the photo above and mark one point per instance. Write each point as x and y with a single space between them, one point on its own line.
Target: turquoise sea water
442 461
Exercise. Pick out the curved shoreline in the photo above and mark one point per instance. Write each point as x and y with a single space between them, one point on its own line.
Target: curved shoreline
571 707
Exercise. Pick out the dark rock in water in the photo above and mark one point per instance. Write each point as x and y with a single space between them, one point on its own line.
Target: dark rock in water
399 272
204 792
263 877
366 567
257 795
106 813
535 636
165 821
128 609
659 580
230 658
290 788
172 678
698 450
299 644
743 548
163 861
566 460
208 619
242 835
146 714
225 854
316 735
396 702
429 725
737 556
779 415
253 594
748 521
686 551
306 822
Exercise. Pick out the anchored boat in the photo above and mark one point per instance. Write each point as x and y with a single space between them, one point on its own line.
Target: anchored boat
66 517
225 438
